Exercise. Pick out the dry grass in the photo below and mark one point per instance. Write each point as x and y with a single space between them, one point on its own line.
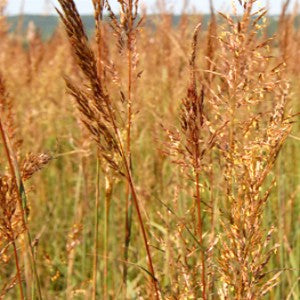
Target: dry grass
174 167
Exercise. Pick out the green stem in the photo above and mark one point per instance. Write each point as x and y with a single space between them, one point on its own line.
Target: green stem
96 232
108 193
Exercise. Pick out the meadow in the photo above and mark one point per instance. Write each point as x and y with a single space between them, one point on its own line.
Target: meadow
150 160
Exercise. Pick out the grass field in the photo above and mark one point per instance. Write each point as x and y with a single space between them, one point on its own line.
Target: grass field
150 162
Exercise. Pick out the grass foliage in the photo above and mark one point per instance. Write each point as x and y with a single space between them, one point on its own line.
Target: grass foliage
150 162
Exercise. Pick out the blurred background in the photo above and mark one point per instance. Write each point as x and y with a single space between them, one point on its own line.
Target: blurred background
85 7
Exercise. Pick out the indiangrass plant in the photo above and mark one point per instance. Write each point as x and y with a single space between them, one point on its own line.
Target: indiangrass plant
221 208
100 114
252 95
13 204
125 31
190 148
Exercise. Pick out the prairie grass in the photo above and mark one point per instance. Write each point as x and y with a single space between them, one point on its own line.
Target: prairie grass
150 161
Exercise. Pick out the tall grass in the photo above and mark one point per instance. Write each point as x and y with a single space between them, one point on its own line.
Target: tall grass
175 148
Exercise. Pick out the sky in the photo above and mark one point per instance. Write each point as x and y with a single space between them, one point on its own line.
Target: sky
85 6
